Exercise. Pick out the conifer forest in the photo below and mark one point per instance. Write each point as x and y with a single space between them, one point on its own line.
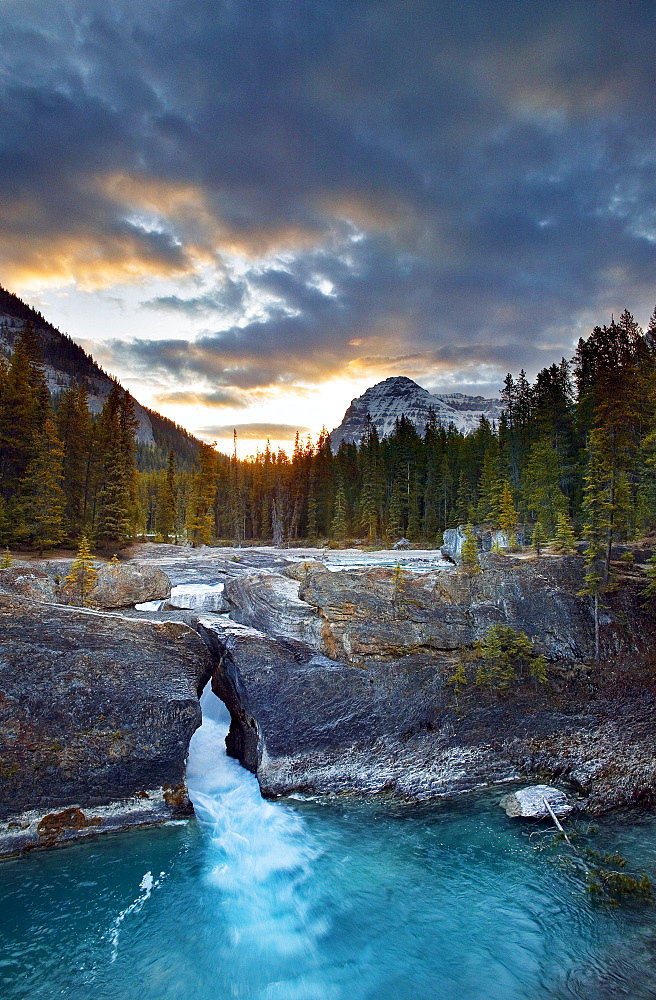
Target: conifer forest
574 456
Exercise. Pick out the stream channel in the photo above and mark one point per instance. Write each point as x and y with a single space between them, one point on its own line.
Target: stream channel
331 899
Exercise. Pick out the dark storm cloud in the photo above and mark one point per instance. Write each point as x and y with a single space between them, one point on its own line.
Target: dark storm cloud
458 183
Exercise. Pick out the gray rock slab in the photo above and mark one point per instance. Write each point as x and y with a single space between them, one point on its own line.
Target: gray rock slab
95 711
530 802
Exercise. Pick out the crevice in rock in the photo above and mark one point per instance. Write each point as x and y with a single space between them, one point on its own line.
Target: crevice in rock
243 740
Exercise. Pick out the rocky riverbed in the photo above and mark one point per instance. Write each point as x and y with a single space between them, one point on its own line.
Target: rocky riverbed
337 675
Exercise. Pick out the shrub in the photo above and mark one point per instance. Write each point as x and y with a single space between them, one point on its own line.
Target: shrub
469 553
506 657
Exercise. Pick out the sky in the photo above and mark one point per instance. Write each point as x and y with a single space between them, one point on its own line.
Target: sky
249 211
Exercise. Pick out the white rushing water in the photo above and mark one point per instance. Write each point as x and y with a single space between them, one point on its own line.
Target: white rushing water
192 596
260 860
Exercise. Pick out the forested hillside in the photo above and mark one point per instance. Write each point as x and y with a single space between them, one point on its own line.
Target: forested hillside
66 364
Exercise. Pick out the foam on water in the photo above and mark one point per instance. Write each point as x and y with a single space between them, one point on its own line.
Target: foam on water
260 863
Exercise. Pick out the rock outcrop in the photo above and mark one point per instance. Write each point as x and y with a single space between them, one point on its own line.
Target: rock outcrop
270 602
361 698
117 585
96 716
28 582
121 585
360 615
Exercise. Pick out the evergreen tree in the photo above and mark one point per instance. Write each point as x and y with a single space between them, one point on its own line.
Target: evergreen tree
200 509
540 537
6 562
5 526
565 540
312 532
44 504
395 514
597 527
339 525
166 509
507 518
542 496
490 488
17 423
469 554
83 574
74 427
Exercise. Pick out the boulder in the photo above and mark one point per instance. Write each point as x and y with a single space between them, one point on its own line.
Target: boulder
402 543
196 597
530 803
270 602
96 714
299 570
121 585
487 540
28 582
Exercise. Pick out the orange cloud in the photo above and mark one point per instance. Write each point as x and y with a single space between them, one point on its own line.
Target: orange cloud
146 228
89 261
195 213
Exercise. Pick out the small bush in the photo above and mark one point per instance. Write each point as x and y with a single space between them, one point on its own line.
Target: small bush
507 656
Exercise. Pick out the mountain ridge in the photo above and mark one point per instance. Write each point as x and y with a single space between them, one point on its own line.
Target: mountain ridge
66 362
385 402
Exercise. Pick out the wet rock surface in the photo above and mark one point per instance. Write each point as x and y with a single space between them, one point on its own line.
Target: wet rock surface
96 714
350 691
337 682
535 801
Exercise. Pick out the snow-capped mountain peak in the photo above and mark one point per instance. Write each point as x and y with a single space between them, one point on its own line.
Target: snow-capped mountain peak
385 402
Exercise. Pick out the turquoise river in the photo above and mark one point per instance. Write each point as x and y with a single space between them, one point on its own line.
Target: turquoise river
336 899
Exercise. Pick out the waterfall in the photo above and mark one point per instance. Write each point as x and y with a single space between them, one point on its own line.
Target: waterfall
259 861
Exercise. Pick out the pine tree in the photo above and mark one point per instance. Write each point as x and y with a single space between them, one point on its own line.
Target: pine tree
469 554
44 505
339 526
542 496
565 540
540 537
624 509
507 515
5 526
74 426
597 527
7 561
490 488
200 511
166 510
395 514
17 422
312 532
83 574
368 500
